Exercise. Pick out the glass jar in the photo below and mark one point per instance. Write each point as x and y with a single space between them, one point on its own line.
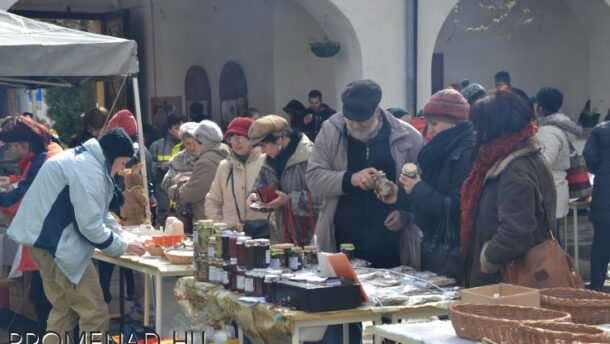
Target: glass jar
240 274
201 268
249 283
219 271
349 250
270 281
218 244
241 251
226 267
310 256
211 246
233 246
239 227
250 257
260 250
259 283
226 237
295 260
278 259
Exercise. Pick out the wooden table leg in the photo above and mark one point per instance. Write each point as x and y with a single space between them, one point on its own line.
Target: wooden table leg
146 299
158 302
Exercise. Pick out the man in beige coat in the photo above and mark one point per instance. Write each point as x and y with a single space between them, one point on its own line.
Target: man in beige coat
203 142
226 201
351 147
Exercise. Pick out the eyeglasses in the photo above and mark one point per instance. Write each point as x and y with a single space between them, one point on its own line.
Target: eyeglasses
236 138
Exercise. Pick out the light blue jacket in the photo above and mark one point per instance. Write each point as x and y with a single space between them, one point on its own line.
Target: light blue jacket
65 210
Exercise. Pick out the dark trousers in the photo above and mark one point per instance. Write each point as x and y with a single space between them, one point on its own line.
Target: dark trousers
105 273
600 255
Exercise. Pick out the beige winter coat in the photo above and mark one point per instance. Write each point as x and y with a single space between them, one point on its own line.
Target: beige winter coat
193 192
220 203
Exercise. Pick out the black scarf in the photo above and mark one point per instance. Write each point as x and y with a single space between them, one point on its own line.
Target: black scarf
442 144
279 163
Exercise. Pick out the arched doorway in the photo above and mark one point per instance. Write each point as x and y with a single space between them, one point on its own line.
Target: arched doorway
197 89
233 92
552 51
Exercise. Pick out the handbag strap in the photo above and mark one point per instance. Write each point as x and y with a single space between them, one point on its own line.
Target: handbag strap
231 176
233 192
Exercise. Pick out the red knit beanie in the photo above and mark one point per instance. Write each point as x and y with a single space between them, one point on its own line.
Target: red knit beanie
239 126
124 119
447 105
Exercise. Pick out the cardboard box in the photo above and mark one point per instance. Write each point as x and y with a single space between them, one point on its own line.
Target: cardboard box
502 294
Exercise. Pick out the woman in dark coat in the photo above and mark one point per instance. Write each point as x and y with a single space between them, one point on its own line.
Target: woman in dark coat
444 162
509 198
597 156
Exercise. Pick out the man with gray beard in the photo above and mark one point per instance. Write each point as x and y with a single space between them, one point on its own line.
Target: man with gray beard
351 147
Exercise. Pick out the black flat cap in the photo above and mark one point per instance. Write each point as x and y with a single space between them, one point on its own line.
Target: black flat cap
360 99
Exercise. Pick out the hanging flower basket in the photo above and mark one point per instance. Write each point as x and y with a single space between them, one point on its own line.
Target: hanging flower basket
325 48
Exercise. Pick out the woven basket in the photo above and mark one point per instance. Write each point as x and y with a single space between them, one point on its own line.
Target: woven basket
561 332
498 323
585 306
181 259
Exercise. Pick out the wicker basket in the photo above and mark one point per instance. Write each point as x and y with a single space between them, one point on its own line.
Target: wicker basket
561 332
498 323
180 257
585 306
154 250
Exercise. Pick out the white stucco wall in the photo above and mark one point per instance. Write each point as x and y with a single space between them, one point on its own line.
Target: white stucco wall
555 54
183 33
431 16
296 69
593 16
381 29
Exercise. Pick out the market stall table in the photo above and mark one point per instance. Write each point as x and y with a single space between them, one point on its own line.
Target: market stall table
157 267
431 332
206 303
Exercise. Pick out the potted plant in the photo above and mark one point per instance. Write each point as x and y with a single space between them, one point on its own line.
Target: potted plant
589 117
324 47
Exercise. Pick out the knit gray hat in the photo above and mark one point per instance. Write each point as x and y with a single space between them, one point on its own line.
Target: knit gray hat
206 132
472 90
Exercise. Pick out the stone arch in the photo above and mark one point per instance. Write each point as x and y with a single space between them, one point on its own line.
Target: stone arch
591 16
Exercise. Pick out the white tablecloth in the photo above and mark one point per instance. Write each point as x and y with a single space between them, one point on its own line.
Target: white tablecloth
431 332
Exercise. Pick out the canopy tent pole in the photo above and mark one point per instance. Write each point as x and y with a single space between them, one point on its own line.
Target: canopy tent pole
136 94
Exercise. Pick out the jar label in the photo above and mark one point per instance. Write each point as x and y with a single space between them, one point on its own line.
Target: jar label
267 257
225 277
240 282
211 251
293 263
275 263
212 273
249 285
233 261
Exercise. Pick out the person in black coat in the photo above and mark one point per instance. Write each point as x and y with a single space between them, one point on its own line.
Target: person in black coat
444 163
597 156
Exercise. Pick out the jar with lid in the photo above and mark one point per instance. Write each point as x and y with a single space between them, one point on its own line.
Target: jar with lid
212 270
250 257
270 281
239 227
278 259
249 283
310 256
201 268
226 237
218 244
219 271
208 226
349 250
211 247
295 260
225 274
240 275
241 250
233 246
262 253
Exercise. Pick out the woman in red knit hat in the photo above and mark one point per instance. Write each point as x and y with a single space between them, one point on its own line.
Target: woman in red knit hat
226 200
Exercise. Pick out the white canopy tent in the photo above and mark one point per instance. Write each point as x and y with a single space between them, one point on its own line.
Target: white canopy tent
37 54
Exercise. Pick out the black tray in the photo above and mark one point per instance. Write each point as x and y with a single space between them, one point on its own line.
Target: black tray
308 297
